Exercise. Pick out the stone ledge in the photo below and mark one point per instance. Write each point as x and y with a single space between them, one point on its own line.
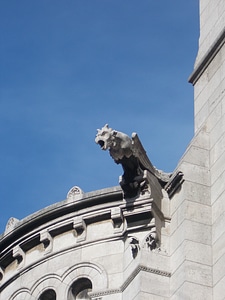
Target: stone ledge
138 269
206 60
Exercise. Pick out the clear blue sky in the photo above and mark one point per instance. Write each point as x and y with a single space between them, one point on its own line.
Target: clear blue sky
69 67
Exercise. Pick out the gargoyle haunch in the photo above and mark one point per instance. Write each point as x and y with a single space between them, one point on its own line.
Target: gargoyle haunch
123 150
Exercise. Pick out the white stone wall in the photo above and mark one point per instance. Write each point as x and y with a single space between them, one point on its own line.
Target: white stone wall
204 162
209 96
190 242
212 20
217 168
210 114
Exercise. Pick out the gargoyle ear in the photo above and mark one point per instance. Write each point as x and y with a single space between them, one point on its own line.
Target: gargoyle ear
106 125
114 132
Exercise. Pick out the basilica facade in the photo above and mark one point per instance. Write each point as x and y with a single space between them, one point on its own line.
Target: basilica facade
155 236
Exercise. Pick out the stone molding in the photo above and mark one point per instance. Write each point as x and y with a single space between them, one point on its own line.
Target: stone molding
206 60
174 183
137 270
23 293
94 272
62 283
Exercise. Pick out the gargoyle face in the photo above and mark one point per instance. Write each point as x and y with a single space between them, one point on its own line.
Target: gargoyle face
104 137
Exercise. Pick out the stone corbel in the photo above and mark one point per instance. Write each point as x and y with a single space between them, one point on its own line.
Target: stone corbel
117 218
19 255
47 240
80 228
174 184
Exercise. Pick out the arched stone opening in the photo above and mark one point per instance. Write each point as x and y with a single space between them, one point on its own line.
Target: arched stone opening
79 289
49 294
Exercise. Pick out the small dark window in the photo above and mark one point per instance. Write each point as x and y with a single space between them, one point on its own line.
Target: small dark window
80 289
48 295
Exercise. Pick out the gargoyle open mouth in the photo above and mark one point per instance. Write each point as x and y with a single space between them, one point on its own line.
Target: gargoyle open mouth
101 143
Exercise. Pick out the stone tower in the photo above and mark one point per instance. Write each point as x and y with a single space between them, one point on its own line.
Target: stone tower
198 212
156 237
197 243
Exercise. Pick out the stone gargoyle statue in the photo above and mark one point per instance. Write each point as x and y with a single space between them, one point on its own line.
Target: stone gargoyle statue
131 155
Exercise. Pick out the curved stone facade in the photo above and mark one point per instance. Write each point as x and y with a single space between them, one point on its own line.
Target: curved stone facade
91 246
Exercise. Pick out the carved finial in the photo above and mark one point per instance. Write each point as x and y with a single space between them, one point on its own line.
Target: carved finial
11 224
75 193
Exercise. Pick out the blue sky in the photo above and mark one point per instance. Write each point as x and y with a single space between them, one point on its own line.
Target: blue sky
69 67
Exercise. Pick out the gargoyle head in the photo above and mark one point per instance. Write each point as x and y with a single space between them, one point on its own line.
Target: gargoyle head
105 137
